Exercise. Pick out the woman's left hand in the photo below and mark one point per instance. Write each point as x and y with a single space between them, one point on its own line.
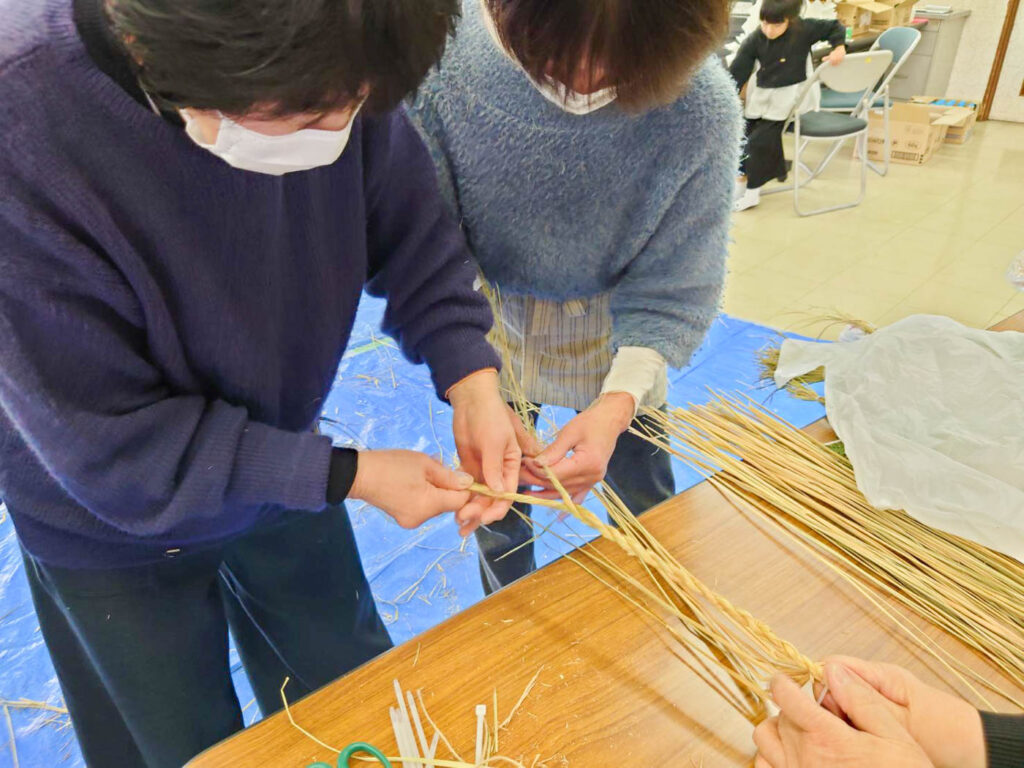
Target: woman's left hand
591 437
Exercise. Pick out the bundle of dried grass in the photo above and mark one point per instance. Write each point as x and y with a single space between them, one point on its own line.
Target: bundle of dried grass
768 361
717 634
707 625
783 475
525 409
800 387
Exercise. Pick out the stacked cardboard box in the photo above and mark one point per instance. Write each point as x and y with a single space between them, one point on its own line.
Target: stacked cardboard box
864 16
960 132
917 130
857 15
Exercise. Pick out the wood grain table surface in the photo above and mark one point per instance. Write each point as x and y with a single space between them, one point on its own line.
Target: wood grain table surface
613 688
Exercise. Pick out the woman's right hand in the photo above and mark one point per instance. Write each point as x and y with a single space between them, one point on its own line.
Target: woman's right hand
409 486
804 735
946 727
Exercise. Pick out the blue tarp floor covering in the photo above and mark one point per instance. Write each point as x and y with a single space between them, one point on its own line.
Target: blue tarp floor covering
420 577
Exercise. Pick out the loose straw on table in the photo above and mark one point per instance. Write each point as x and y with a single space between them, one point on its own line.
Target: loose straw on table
490 760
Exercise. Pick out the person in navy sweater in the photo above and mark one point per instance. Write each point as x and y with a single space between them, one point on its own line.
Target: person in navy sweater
193 196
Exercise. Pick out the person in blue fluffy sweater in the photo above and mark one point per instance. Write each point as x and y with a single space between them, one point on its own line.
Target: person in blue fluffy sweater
589 149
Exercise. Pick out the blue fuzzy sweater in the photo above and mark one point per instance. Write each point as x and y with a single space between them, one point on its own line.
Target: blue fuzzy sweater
169 326
564 206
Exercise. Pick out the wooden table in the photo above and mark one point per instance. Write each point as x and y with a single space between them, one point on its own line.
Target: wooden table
613 690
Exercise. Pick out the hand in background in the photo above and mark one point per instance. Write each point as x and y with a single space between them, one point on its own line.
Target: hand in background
836 56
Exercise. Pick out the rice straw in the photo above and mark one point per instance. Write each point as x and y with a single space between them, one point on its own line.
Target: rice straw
810 492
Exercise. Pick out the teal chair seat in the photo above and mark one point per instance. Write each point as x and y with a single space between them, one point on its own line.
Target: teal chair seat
830 124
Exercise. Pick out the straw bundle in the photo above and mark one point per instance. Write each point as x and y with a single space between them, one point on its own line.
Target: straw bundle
799 387
809 491
712 630
746 648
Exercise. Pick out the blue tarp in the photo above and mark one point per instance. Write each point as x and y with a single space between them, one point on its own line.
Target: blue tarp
419 577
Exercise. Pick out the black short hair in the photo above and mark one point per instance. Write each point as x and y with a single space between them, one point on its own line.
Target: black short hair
280 57
646 49
778 11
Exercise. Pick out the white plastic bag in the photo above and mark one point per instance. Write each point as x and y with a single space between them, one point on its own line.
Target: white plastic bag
931 414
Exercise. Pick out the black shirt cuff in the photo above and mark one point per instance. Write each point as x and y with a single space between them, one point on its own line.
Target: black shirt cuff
344 462
1004 739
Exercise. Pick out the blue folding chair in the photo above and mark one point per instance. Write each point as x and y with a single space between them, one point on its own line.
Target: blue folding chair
901 41
858 73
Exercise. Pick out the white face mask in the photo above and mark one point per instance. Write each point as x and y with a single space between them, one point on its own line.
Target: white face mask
571 101
248 150
552 90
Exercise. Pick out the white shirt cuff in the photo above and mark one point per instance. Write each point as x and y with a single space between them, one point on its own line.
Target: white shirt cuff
637 371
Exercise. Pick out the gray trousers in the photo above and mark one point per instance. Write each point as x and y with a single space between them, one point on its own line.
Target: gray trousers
638 472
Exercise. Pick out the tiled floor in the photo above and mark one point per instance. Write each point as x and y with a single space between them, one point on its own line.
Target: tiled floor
935 238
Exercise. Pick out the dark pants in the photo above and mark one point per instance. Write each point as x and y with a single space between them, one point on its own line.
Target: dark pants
638 472
763 158
142 653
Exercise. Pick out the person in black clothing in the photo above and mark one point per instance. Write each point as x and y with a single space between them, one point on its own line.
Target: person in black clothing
881 716
781 47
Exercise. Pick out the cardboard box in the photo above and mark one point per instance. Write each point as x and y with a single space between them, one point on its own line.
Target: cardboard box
863 16
961 131
917 131
859 15
902 13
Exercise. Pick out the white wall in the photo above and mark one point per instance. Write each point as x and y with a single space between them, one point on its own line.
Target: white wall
977 52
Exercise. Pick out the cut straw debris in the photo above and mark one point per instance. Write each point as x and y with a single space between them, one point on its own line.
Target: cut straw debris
10 735
29 704
774 470
412 737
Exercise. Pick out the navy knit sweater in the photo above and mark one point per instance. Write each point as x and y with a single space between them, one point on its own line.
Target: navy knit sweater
170 325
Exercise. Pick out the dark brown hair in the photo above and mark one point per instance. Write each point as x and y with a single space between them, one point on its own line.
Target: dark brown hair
283 56
647 49
778 11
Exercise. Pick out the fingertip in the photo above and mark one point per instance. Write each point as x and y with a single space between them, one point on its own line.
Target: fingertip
837 675
778 680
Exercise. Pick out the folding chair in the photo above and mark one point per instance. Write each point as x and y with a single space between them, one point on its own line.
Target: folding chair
901 41
859 72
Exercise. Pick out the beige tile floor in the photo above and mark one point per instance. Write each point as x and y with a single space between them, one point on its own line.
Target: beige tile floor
935 238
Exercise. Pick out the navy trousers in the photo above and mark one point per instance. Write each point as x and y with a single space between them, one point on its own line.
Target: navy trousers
142 653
